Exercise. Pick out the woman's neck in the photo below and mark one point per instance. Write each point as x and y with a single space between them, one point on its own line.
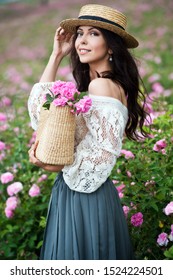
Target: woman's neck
96 70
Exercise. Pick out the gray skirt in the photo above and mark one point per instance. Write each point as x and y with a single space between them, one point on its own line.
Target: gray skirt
83 226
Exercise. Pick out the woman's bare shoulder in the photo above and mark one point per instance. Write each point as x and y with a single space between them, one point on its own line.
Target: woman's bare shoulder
105 87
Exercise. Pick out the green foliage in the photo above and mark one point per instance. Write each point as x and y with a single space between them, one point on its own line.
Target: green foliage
149 188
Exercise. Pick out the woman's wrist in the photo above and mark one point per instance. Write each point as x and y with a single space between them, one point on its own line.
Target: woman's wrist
56 57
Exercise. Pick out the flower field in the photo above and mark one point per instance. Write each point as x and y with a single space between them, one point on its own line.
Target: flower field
143 174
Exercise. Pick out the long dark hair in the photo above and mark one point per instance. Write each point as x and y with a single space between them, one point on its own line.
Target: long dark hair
124 72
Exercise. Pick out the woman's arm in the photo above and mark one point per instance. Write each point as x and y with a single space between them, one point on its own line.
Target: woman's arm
61 47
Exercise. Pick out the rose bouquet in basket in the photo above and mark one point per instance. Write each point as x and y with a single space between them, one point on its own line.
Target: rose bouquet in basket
56 127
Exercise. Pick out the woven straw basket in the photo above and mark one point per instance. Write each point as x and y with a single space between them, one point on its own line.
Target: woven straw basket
55 133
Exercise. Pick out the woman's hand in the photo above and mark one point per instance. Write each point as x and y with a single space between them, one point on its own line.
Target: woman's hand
62 42
37 162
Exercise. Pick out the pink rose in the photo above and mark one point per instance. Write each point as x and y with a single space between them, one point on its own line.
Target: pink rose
169 208
6 101
129 174
126 210
56 87
157 87
34 190
137 219
83 105
9 213
7 177
43 177
2 146
12 202
128 154
171 236
120 187
3 117
162 239
61 101
159 145
14 188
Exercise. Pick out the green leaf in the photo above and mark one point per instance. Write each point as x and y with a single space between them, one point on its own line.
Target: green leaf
169 253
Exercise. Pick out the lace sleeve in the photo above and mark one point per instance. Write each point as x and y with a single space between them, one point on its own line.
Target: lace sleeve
35 101
96 154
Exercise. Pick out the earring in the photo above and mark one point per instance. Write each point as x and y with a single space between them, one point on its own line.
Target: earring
110 57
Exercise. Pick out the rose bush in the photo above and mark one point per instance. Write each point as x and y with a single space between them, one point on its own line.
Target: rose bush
147 193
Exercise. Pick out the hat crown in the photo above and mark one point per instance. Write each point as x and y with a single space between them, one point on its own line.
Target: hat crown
94 10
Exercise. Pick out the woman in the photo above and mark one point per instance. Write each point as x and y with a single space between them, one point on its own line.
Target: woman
85 217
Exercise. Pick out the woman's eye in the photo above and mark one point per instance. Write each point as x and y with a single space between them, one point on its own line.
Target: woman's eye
79 34
93 33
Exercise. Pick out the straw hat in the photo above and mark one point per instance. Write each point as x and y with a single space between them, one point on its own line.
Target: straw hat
103 17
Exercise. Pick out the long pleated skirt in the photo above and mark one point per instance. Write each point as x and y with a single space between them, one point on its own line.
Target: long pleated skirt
85 226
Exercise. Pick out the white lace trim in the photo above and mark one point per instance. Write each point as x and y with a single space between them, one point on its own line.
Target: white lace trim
98 139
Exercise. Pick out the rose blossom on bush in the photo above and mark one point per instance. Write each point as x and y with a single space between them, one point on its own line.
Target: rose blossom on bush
137 219
34 190
159 145
169 208
162 239
128 154
12 202
43 177
2 146
171 234
9 213
7 177
14 188
126 210
3 117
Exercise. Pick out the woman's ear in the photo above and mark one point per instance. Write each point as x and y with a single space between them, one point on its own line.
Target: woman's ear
110 51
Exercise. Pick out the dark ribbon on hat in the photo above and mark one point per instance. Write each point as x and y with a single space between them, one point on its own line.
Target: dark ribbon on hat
102 20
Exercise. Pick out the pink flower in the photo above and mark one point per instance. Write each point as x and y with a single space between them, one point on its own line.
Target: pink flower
9 213
137 219
171 233
153 78
159 145
14 188
157 87
169 208
126 210
162 239
2 146
65 89
171 236
3 117
5 101
61 101
43 177
120 187
12 202
7 177
128 154
34 190
83 105
129 174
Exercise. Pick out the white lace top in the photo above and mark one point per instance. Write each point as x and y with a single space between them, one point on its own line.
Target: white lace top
98 139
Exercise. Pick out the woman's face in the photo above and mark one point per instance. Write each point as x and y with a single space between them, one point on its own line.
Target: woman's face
91 46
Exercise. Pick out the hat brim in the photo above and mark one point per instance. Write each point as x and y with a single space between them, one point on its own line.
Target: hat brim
70 25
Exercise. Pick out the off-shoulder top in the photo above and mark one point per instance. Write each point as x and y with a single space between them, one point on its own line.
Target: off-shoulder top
98 139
